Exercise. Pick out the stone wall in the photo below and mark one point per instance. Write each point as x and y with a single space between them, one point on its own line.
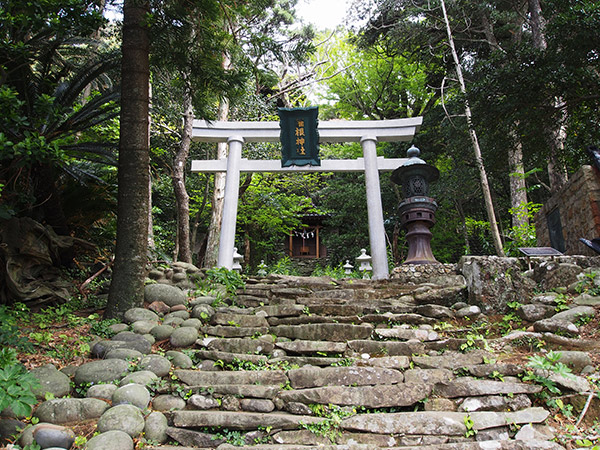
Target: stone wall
575 211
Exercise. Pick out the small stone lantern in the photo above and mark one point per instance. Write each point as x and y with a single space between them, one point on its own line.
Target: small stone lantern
348 267
262 269
364 262
237 261
417 210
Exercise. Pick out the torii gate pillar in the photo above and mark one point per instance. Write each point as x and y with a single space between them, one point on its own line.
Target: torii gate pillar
375 209
230 205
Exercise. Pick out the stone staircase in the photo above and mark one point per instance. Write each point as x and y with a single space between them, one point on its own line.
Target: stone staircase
309 363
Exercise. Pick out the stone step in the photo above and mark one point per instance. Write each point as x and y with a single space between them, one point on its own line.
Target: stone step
242 345
229 357
335 332
243 390
379 396
486 445
386 348
226 331
239 320
322 348
406 334
310 377
205 378
303 438
437 423
320 361
240 420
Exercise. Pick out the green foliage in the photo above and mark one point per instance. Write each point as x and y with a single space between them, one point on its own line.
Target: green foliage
561 301
547 363
230 279
263 364
10 333
102 328
232 437
343 362
16 384
522 235
272 207
473 342
469 424
588 284
338 272
284 266
49 129
587 444
330 427
511 320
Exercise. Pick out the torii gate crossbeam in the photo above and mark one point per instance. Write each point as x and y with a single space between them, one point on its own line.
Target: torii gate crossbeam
367 132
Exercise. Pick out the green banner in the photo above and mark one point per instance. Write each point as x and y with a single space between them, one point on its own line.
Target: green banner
299 136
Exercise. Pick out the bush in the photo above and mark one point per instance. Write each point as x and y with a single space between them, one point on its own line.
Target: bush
16 384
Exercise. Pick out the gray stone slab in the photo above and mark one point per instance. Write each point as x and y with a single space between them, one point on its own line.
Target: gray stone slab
342 376
240 420
469 387
239 320
387 348
282 310
307 347
321 361
241 345
193 438
228 357
406 334
263 377
389 362
383 396
439 422
449 360
337 332
429 376
228 331
243 390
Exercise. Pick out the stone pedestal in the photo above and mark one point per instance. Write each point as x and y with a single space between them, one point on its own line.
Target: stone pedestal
417 216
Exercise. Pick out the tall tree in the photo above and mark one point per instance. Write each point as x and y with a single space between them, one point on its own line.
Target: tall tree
554 133
485 187
127 285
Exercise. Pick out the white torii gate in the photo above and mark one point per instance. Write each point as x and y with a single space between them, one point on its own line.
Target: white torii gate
367 132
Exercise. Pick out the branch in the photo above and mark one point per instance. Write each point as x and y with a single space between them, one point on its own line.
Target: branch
297 84
444 103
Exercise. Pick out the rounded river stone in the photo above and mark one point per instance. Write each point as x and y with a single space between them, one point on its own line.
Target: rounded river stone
102 371
132 394
127 418
111 440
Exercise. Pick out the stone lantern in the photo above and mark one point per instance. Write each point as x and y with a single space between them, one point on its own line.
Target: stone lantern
262 269
417 210
364 262
237 260
348 267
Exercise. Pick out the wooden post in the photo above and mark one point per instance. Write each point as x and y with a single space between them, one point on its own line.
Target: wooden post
318 244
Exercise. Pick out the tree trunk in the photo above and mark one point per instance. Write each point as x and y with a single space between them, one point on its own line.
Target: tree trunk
182 199
485 187
554 132
214 229
127 286
151 242
518 188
